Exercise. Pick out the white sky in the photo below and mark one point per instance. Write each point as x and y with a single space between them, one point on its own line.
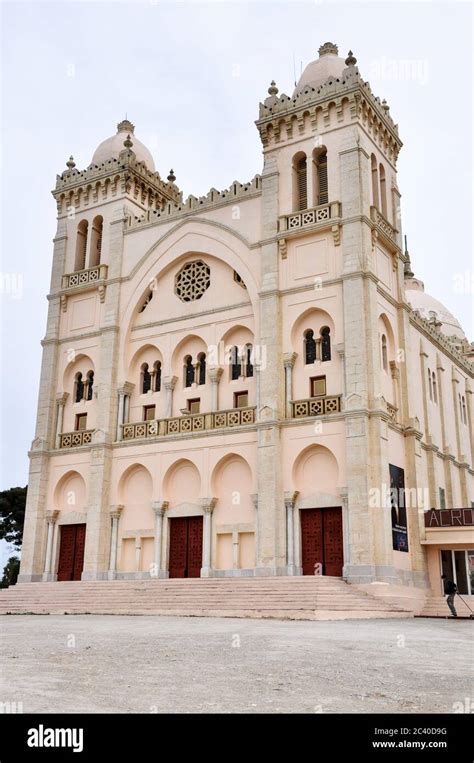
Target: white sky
190 76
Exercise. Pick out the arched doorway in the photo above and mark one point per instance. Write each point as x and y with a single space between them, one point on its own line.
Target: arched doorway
321 530
70 499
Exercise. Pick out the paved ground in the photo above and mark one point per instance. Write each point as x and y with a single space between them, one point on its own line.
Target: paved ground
83 663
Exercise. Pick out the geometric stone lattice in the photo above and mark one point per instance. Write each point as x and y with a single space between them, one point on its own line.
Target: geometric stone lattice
192 281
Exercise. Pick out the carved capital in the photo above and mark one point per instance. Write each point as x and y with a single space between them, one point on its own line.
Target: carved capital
283 248
159 507
115 511
289 359
51 517
170 382
290 498
208 505
215 374
61 399
126 388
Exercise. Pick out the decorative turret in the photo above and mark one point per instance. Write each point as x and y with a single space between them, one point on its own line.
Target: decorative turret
330 79
120 166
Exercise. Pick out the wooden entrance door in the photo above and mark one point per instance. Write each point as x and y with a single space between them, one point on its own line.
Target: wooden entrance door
185 547
71 552
321 541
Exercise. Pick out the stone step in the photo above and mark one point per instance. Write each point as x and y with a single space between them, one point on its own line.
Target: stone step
290 598
436 606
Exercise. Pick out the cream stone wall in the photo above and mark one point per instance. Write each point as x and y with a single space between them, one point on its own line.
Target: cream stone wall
251 478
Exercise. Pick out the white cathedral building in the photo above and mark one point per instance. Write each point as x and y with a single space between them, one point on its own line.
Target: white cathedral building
251 383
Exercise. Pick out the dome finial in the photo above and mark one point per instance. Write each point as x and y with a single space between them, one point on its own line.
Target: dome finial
128 143
272 90
407 271
351 60
125 126
171 177
327 49
71 163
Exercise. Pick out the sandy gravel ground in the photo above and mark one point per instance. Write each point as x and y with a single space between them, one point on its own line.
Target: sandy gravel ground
92 664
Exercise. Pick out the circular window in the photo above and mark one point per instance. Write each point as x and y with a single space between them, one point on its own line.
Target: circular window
192 281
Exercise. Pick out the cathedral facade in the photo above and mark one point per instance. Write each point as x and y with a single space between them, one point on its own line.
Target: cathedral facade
252 382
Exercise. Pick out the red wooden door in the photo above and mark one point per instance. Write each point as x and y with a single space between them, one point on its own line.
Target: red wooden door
312 539
71 552
321 541
79 552
185 547
333 551
194 547
178 547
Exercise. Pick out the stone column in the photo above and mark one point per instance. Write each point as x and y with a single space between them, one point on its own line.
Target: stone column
346 530
61 402
215 375
51 517
340 351
159 507
447 462
120 412
123 408
170 383
395 373
235 550
208 507
115 512
289 359
290 500
271 549
256 371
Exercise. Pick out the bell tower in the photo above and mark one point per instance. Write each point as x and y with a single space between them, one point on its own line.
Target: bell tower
333 146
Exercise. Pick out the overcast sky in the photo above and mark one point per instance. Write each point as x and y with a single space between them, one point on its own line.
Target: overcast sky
190 76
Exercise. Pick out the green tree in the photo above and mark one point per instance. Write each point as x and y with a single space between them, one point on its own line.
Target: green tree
12 515
10 572
12 518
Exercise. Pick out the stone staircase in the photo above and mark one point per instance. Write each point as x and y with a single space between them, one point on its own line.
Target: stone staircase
435 606
293 598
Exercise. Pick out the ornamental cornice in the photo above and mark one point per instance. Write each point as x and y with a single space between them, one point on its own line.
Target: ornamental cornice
441 341
286 111
112 180
213 199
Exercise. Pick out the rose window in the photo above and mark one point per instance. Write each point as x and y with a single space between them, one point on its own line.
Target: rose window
192 281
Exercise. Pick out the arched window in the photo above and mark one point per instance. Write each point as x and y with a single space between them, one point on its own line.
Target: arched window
309 346
78 388
464 410
248 360
322 185
375 181
384 353
90 385
146 379
325 343
383 191
430 384
300 191
202 368
157 375
96 241
188 371
435 388
235 363
81 245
